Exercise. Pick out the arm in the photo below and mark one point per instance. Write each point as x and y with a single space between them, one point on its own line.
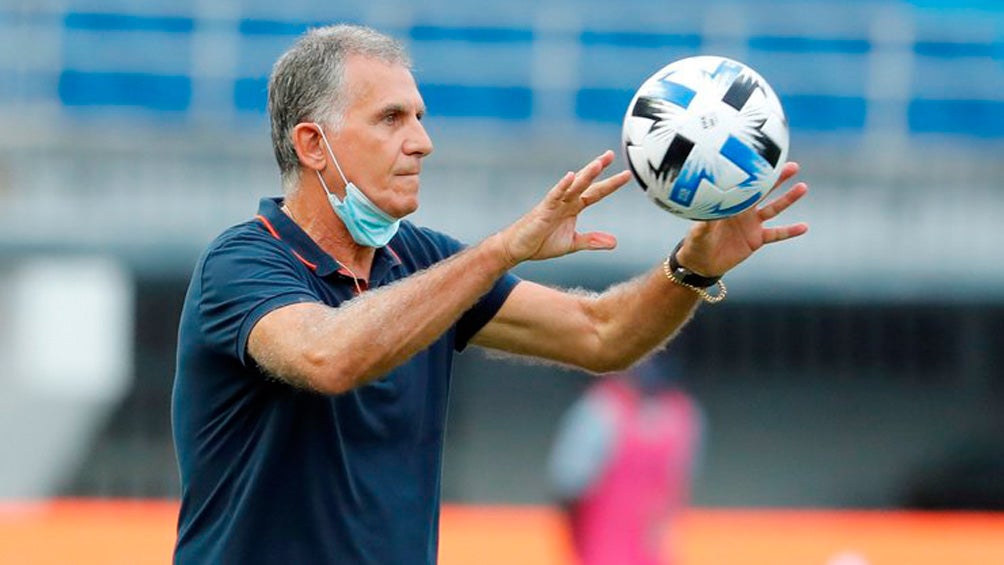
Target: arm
611 331
333 350
597 332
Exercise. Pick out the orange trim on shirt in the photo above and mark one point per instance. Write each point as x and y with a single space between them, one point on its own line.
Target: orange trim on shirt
394 253
275 234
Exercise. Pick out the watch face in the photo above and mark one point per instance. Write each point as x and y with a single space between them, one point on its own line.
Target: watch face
680 274
686 276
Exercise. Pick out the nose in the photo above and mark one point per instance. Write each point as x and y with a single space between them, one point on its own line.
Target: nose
418 142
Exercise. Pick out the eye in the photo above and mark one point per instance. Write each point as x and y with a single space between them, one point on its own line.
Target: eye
390 118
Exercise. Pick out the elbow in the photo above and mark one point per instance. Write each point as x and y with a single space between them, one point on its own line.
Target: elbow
603 358
327 373
602 364
599 352
337 370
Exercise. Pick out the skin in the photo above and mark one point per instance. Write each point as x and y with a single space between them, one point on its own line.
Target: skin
380 147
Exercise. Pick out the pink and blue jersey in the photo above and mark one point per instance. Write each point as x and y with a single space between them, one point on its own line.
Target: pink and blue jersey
623 464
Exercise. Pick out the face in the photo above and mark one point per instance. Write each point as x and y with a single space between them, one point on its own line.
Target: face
382 142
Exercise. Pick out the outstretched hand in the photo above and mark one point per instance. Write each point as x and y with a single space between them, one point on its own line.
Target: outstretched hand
549 229
713 247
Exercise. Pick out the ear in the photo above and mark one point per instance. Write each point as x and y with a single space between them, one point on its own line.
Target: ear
309 146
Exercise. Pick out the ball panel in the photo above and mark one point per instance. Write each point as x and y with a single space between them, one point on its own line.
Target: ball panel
657 93
635 130
635 154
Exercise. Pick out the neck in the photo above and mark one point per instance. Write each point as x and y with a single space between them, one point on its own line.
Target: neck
319 221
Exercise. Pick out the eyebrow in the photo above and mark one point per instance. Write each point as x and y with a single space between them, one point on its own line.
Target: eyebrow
396 108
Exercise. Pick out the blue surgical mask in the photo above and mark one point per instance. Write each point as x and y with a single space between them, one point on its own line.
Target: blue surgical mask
367 224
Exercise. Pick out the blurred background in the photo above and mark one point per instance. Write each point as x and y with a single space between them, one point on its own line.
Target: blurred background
859 367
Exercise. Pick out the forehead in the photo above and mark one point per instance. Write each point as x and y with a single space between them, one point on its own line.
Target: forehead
373 84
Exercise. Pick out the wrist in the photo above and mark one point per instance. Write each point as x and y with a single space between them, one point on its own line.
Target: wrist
687 278
500 251
682 266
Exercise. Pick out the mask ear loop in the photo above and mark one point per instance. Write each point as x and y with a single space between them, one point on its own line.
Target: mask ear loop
331 153
355 279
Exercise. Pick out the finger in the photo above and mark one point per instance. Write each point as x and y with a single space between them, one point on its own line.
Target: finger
558 190
582 181
587 175
606 158
782 203
600 190
773 235
789 170
594 241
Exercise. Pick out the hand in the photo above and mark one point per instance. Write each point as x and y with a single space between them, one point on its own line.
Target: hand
712 248
548 230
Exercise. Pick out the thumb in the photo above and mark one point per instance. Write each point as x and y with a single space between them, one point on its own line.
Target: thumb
594 241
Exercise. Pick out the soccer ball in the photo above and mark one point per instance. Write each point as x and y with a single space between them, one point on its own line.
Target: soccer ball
705 137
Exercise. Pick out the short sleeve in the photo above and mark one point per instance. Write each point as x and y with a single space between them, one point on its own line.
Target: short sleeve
487 306
242 278
484 310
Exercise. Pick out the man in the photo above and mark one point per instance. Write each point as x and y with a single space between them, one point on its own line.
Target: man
316 340
622 464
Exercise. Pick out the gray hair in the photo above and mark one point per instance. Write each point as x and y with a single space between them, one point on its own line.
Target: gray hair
307 84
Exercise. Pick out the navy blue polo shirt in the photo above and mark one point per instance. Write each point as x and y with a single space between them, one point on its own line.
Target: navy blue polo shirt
275 474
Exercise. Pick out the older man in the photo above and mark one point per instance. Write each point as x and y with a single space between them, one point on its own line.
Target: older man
316 340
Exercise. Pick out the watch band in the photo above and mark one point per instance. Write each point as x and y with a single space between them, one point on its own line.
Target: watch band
684 275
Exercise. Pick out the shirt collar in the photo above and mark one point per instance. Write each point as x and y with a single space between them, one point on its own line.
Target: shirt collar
308 252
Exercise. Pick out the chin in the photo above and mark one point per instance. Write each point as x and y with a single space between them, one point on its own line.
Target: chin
407 210
406 202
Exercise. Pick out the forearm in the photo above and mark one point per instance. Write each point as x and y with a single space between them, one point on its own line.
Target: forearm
633 318
368 336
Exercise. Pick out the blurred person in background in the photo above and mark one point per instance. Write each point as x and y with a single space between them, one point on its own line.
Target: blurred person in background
622 465
316 340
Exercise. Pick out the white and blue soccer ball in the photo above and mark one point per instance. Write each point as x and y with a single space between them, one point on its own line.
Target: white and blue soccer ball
705 137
